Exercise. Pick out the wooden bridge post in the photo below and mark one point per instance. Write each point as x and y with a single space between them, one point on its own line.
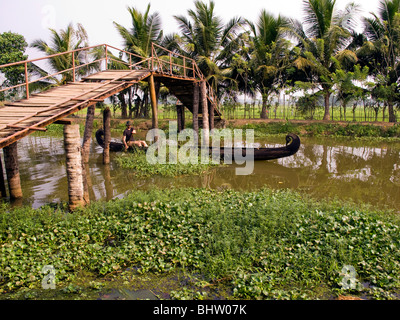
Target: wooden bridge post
12 170
3 192
179 117
211 115
196 109
87 136
154 106
72 146
107 135
180 110
204 109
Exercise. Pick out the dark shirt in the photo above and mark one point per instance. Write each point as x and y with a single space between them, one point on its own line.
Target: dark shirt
128 134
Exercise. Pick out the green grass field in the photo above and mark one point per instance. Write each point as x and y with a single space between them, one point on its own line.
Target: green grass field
282 112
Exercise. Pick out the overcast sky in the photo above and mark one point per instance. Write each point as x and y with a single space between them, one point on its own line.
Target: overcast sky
32 18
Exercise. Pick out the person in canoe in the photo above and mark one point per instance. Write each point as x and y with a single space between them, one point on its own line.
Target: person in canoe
128 139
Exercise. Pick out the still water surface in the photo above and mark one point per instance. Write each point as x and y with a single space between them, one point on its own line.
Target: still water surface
347 169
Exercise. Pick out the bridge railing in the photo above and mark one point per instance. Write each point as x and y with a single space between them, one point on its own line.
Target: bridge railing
175 64
101 58
161 61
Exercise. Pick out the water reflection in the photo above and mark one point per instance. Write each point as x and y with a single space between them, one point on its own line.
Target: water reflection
323 168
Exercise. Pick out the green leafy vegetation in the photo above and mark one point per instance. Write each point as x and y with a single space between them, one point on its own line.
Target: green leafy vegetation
138 163
265 244
262 129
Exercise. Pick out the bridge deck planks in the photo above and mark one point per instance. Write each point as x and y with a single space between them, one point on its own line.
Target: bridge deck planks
44 108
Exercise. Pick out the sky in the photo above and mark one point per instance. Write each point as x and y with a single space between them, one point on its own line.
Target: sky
33 18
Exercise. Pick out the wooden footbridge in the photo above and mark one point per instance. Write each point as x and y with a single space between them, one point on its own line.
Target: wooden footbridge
179 74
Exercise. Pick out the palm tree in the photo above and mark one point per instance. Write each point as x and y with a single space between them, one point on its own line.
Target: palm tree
269 53
211 43
146 29
65 40
327 35
380 50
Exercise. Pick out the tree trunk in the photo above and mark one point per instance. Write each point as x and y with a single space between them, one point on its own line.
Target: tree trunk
196 110
87 136
141 111
264 114
384 111
72 146
392 116
327 116
107 135
211 115
130 102
3 192
204 109
180 112
12 170
85 169
365 111
121 97
146 108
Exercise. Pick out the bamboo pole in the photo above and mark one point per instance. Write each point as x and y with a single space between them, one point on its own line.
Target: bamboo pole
204 109
153 98
107 135
73 67
72 146
196 109
26 81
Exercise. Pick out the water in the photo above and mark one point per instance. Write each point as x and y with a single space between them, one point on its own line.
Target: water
365 172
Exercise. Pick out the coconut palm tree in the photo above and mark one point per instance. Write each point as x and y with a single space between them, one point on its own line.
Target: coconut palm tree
324 34
269 55
69 39
146 28
380 50
211 43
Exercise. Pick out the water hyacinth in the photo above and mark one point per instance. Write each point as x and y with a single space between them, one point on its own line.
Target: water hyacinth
258 245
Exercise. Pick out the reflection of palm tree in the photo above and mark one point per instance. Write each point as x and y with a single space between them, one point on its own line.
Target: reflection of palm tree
66 40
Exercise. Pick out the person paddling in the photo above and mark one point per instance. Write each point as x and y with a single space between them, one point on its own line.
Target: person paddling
128 139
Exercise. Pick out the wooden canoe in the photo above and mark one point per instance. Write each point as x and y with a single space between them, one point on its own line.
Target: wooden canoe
291 147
